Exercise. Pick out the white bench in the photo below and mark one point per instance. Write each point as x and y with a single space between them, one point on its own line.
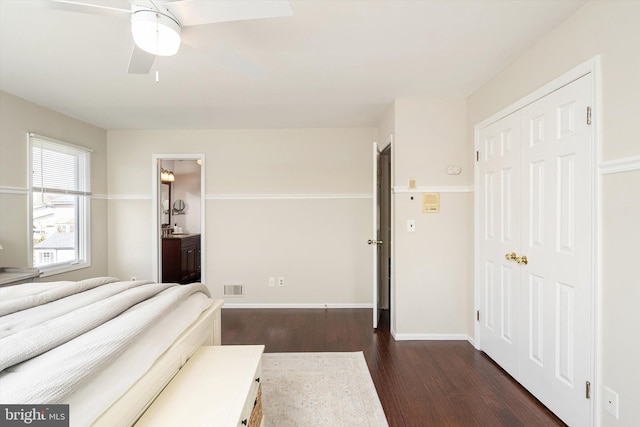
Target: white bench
218 386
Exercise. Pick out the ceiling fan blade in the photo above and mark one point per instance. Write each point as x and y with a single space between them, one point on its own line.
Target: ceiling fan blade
141 61
198 12
75 6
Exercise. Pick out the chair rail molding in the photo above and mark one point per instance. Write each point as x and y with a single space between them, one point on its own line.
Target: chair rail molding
624 164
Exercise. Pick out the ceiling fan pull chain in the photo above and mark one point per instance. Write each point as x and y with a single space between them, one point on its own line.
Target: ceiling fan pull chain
157 47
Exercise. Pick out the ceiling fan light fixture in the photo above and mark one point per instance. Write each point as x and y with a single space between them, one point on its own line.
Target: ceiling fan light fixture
155 32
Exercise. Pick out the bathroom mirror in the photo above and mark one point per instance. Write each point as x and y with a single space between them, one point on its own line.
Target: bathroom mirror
165 205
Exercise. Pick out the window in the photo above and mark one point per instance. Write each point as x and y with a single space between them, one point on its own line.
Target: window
60 192
45 257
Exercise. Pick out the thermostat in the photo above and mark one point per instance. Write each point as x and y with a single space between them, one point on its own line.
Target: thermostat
454 170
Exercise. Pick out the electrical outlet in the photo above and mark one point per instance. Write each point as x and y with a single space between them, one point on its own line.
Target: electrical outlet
272 281
133 278
611 401
280 281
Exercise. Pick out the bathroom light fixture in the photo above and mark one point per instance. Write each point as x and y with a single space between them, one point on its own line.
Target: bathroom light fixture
155 32
167 176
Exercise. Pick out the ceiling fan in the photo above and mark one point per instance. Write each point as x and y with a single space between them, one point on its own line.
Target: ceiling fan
156 25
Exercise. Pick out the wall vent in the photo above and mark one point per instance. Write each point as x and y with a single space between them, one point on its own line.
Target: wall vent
234 290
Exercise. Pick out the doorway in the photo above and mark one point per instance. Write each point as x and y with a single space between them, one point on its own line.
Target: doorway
381 230
178 226
384 252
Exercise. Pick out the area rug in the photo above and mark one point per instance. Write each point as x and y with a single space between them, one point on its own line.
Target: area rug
319 389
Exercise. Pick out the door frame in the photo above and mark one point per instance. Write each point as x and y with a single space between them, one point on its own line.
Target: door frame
592 66
389 145
156 234
378 151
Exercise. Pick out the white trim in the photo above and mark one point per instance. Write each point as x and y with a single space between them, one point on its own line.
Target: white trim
63 268
287 196
156 235
436 189
57 141
299 305
392 273
375 230
84 232
471 341
476 241
624 164
572 75
337 196
596 301
14 190
431 337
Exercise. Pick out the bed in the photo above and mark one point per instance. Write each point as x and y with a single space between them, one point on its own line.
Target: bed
105 347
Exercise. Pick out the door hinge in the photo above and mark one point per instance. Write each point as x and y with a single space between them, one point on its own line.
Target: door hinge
588 390
478 315
477 156
588 115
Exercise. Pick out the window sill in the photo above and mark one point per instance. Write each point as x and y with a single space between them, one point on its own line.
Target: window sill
60 269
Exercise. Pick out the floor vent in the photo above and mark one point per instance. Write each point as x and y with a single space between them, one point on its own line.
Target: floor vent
235 290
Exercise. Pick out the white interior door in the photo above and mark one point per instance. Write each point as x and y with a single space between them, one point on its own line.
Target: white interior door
536 189
557 228
499 165
374 241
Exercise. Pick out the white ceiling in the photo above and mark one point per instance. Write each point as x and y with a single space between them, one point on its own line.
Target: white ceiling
333 63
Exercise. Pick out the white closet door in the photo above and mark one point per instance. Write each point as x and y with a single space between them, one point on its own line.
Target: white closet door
499 184
556 200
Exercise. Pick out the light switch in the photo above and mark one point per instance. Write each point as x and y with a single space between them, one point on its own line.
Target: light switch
411 225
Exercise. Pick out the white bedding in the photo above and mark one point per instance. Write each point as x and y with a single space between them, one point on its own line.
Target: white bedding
92 399
41 345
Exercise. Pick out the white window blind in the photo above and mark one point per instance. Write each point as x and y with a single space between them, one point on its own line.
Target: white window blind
59 168
60 204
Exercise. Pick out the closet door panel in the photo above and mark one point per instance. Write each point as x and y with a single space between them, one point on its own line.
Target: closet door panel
499 236
556 220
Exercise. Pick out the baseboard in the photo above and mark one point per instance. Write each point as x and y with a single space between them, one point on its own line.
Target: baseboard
430 337
297 305
472 342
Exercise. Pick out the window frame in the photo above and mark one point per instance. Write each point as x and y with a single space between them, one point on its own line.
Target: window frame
82 211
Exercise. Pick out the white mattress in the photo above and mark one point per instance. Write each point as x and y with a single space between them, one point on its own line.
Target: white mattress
90 401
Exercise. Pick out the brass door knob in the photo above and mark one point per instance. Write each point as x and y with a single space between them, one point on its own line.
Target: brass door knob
511 256
522 260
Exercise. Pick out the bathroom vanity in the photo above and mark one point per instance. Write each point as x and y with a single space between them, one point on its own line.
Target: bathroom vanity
181 258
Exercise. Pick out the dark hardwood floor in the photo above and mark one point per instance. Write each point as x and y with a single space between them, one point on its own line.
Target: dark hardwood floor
420 383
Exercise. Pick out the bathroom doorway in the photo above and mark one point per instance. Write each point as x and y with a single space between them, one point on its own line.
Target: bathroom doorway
178 229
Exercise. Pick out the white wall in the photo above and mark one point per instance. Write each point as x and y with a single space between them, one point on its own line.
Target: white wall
610 29
17 118
433 275
290 202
